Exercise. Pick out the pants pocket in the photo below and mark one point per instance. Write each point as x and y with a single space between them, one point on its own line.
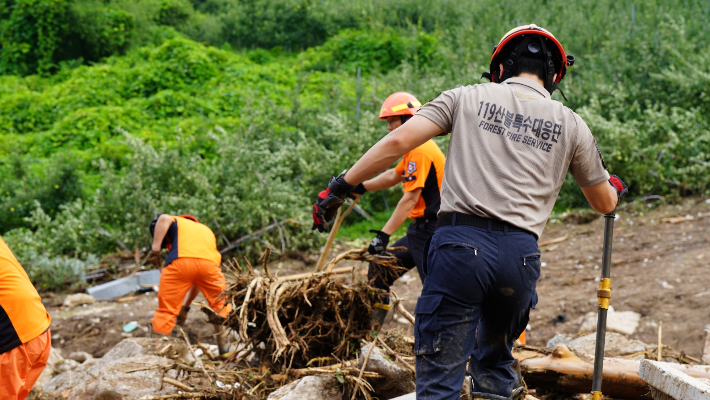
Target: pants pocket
427 337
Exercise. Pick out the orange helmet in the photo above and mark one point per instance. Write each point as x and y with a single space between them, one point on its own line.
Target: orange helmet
400 103
190 217
532 41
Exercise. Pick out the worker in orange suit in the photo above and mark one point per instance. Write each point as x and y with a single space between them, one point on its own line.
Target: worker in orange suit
25 341
193 261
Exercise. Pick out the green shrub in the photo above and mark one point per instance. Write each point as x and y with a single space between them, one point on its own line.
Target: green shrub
382 51
174 12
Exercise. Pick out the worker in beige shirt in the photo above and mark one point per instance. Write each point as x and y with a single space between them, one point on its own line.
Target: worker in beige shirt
511 147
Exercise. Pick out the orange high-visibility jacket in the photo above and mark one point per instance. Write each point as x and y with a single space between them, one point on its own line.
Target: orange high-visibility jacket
187 238
423 167
22 315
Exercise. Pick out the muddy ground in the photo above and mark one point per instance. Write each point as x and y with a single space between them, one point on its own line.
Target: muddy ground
660 269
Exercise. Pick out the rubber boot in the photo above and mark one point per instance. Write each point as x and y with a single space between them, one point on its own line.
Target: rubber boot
379 313
222 333
182 317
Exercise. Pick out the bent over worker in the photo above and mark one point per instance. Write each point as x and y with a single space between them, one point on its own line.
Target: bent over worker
193 261
25 339
420 171
511 147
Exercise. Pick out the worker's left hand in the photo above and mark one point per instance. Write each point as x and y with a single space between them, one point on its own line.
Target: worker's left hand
328 202
619 186
379 243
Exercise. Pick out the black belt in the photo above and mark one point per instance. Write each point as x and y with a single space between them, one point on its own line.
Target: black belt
479 222
424 220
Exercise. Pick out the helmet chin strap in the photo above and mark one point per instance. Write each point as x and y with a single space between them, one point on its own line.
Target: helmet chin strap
550 83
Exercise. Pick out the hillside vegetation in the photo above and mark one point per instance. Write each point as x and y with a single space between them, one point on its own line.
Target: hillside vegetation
238 111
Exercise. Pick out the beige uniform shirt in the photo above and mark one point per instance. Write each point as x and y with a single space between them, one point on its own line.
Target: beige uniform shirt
511 147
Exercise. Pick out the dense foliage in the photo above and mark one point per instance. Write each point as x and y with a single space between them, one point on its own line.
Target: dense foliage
238 111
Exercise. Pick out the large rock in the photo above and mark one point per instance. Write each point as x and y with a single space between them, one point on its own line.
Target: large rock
557 339
615 345
78 299
624 322
396 379
126 370
136 376
316 387
80 356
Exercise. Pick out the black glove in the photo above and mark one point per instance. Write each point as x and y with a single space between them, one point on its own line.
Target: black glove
379 243
328 202
359 190
619 185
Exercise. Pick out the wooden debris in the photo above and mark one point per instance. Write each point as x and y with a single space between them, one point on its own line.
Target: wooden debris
400 307
179 384
677 220
660 343
303 316
197 359
706 346
562 371
127 299
552 241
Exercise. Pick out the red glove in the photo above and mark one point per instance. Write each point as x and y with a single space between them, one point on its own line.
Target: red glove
619 185
328 202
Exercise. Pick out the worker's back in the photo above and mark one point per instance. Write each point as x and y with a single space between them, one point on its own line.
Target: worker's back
191 239
510 149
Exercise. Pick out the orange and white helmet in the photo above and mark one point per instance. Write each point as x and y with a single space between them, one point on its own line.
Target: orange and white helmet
530 40
400 103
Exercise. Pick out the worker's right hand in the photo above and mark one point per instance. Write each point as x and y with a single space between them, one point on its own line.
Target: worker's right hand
619 185
358 190
379 243
328 202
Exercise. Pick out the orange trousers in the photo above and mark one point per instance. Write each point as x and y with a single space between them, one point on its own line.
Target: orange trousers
21 366
177 279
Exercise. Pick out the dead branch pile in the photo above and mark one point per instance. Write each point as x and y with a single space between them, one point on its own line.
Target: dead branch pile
295 319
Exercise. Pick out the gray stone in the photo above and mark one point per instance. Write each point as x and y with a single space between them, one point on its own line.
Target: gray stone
557 339
669 383
135 376
315 387
72 385
66 365
80 356
113 373
78 299
615 345
396 379
624 322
